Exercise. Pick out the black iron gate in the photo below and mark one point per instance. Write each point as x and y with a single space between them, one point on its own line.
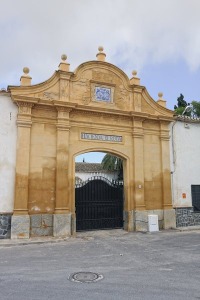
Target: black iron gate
99 204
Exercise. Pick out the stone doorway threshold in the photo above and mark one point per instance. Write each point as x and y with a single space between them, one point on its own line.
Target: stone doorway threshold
101 233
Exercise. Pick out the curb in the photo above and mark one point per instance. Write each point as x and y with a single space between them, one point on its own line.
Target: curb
189 228
53 240
31 241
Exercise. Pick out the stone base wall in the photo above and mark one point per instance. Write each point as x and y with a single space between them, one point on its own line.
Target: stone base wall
41 225
141 219
62 225
138 220
25 226
5 226
58 225
185 216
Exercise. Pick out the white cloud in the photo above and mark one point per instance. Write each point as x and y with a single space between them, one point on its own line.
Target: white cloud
133 32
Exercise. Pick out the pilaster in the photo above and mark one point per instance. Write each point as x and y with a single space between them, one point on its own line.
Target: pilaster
138 154
22 158
64 86
20 225
62 216
63 127
64 78
165 163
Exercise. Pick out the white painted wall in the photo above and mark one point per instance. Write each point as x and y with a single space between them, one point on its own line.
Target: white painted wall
8 139
185 161
86 175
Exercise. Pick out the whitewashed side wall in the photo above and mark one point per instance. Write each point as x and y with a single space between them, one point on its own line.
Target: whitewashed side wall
185 161
84 176
8 139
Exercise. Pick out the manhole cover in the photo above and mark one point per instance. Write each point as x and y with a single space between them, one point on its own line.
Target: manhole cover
85 277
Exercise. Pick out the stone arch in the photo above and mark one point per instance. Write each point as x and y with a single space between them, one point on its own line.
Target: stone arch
127 183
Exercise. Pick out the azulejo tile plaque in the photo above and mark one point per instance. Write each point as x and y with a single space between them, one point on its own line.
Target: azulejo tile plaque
102 94
101 137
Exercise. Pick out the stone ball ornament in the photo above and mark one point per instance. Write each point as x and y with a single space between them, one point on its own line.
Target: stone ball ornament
100 49
26 70
64 57
134 73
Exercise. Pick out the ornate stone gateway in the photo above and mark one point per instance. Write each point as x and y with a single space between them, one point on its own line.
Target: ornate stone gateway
95 108
99 204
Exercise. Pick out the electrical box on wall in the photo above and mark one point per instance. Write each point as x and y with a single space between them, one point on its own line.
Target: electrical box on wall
153 223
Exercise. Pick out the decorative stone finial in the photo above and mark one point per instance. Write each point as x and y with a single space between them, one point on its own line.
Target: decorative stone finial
135 80
101 55
160 100
25 78
134 73
26 70
64 66
64 57
100 49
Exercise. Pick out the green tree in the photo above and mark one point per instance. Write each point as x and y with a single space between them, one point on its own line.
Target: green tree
180 102
196 108
179 110
113 163
193 110
181 105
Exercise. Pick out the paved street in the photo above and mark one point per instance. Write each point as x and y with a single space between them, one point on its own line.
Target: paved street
164 265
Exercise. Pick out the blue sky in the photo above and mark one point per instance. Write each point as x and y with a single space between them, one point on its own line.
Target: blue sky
90 157
159 39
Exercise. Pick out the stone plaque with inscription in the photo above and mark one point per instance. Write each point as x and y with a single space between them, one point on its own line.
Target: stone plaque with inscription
101 137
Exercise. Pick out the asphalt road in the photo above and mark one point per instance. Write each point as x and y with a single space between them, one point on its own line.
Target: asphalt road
164 265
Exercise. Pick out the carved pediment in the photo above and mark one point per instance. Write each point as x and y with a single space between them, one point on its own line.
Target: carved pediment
149 106
101 85
95 84
44 92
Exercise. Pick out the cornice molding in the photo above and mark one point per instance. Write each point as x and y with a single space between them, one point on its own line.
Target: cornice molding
165 112
25 90
24 123
164 138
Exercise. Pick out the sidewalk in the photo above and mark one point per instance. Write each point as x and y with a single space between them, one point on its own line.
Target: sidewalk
85 235
32 240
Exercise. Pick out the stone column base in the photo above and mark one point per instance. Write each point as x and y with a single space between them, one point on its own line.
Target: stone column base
169 218
73 225
138 220
61 225
141 220
129 220
41 225
20 227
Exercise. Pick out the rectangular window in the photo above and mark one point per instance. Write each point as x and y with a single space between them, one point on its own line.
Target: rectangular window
196 197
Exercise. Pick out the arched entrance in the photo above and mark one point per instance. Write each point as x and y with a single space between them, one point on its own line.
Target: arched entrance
101 200
99 204
95 108
99 192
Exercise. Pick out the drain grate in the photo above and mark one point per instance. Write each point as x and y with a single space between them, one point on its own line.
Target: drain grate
85 277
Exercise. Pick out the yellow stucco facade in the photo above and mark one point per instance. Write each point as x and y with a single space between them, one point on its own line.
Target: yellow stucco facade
64 117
